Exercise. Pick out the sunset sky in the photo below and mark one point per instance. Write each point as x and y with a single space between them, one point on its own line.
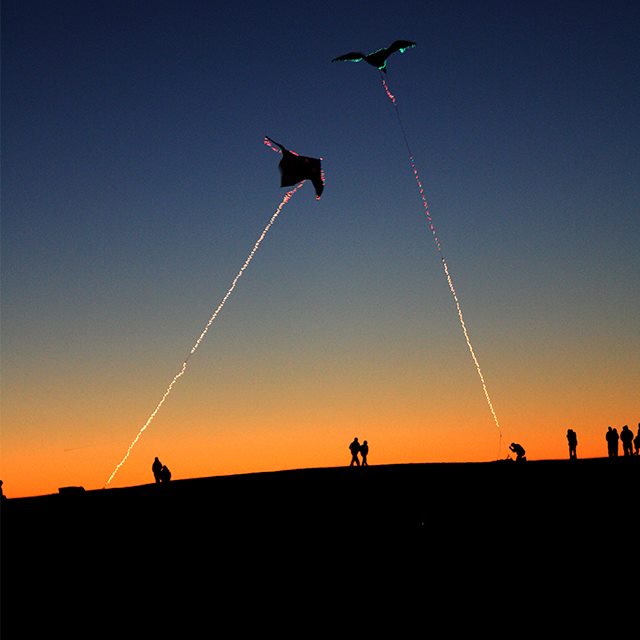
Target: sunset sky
135 182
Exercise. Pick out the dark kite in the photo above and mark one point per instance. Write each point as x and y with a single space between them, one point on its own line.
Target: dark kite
377 58
295 169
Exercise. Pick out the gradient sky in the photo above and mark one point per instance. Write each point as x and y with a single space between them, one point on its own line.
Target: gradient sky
135 182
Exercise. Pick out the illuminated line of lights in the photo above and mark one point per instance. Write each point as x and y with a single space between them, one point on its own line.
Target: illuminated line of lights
211 320
445 267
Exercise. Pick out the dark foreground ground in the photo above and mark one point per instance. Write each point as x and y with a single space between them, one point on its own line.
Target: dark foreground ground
295 553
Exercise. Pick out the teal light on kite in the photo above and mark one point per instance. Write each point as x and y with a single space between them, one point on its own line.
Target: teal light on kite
377 58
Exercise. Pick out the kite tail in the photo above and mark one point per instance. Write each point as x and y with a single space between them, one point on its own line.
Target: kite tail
443 261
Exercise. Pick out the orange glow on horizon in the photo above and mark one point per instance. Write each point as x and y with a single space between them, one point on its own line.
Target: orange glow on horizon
246 448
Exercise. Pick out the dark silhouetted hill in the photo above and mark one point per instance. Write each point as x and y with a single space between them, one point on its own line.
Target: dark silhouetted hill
232 545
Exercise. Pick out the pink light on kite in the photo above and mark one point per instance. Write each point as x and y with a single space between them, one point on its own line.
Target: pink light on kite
269 143
388 91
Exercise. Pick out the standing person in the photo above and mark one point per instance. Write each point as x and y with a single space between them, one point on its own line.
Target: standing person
615 438
611 445
156 467
626 437
572 439
518 449
364 452
354 447
636 441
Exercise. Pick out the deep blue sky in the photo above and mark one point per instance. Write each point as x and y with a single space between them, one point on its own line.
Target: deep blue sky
135 181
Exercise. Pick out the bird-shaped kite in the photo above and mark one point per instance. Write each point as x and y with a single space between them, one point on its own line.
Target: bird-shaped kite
295 168
377 58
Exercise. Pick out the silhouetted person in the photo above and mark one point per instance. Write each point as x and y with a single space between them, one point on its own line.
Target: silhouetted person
156 467
354 447
626 437
1 492
572 439
518 449
615 438
609 438
364 452
636 441
612 442
165 474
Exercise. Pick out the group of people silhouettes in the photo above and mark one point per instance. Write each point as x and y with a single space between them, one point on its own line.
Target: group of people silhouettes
630 443
361 449
630 446
161 472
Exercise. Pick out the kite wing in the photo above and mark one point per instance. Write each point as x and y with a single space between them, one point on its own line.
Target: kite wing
354 56
271 143
401 46
295 169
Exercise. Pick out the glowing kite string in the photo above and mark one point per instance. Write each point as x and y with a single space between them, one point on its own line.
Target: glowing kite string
441 255
212 319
